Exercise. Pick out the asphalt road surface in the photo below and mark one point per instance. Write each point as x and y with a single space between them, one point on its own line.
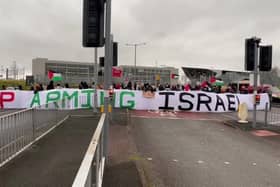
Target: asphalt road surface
197 151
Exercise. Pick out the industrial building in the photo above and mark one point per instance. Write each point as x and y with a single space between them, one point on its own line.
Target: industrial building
195 75
72 72
152 75
75 72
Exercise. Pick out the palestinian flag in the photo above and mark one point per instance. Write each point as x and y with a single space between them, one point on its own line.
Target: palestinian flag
116 72
174 76
212 80
54 76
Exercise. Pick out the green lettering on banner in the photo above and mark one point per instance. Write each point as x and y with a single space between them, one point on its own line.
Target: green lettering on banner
130 104
88 94
102 98
53 97
35 100
67 96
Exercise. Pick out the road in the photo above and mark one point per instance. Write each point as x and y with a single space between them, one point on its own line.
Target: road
200 151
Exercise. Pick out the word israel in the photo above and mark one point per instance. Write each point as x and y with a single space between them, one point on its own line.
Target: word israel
195 101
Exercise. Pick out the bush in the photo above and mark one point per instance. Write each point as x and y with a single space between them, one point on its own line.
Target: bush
14 83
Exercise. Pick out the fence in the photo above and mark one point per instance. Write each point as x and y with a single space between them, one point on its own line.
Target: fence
120 116
92 168
272 114
21 129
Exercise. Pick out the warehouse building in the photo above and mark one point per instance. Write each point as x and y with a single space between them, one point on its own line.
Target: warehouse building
75 72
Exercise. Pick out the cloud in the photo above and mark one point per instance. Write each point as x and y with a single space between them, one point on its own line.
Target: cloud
177 32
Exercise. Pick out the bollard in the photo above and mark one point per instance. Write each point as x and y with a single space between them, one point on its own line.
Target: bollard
102 108
242 113
110 108
266 113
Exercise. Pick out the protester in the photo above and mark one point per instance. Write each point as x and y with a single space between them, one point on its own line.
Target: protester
187 87
58 86
50 86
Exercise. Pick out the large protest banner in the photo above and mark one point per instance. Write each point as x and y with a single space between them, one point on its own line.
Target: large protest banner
195 101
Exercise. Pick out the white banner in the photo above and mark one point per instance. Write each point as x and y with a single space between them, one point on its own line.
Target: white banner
195 101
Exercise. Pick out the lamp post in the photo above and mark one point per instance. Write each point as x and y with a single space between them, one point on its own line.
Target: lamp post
135 45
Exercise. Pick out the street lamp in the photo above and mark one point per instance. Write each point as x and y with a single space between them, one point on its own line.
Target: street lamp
135 45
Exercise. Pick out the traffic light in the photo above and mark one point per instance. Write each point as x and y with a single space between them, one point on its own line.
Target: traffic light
93 23
101 61
115 54
250 54
100 73
257 99
265 58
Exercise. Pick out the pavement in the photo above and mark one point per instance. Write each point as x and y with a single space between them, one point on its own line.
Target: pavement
195 151
55 159
122 169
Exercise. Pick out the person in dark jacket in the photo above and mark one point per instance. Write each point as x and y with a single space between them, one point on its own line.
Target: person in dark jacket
50 86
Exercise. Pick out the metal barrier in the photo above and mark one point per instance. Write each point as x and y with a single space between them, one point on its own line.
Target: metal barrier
272 114
21 129
92 168
120 116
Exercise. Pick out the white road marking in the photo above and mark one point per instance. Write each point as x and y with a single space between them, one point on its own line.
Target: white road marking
200 162
227 163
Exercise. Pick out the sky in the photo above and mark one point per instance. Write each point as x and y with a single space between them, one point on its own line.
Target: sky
200 33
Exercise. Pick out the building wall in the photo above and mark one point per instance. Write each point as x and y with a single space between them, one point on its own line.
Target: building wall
38 66
72 72
75 72
152 75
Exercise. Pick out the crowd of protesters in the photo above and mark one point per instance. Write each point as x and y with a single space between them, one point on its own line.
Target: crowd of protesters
204 86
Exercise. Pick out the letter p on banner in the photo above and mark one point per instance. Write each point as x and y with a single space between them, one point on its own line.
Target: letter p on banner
6 97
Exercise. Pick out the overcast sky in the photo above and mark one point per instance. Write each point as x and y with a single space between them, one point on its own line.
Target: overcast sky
202 33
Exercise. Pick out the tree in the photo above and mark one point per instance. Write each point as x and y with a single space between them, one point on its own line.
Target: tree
271 77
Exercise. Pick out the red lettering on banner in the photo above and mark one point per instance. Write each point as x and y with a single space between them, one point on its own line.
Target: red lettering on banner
6 97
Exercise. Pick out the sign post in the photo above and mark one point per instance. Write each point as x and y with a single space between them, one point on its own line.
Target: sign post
107 73
256 72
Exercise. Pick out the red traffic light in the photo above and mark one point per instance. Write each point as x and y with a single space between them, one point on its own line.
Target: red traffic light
257 99
111 93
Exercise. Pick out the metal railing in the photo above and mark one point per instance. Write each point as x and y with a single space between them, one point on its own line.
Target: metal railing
92 168
272 114
21 129
120 116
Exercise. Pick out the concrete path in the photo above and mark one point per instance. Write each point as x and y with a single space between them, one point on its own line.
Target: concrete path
55 159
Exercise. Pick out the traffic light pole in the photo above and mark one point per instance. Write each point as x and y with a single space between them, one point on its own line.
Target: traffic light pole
107 74
255 82
95 79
